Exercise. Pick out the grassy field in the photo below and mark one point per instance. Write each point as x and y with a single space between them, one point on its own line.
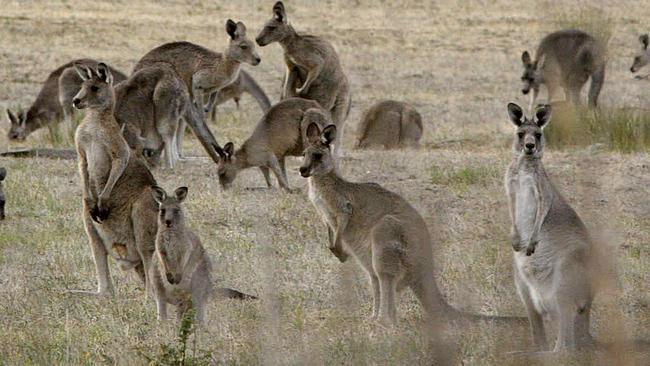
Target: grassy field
458 64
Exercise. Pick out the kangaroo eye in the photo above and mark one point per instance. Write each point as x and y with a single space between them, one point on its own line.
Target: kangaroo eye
538 135
244 47
270 28
318 156
520 134
94 88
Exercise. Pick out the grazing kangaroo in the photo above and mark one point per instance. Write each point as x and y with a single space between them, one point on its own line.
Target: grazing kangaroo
643 57
181 272
243 84
385 234
390 124
313 68
54 101
554 258
281 132
119 213
203 71
567 59
3 199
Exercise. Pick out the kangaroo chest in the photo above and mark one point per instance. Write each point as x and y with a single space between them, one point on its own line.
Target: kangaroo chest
326 203
526 204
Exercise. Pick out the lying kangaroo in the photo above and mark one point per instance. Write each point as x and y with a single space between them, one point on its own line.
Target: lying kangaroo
119 213
181 272
243 84
54 101
3 200
203 71
554 256
379 228
567 59
390 124
280 133
313 68
643 57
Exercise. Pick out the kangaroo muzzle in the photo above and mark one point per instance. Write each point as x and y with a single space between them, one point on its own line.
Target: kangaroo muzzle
305 171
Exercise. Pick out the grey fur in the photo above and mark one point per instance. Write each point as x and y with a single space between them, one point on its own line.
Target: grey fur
390 124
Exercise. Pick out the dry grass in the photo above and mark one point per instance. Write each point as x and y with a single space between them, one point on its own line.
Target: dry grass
457 63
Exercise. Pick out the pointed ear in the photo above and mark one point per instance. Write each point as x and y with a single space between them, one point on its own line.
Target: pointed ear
540 63
516 114
159 194
104 73
181 193
83 71
644 41
229 149
240 30
543 115
313 133
12 117
219 151
279 13
525 58
329 134
3 174
231 29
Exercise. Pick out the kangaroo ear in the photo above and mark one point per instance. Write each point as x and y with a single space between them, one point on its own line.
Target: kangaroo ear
231 28
329 134
540 63
240 30
83 71
525 58
3 174
12 117
104 73
543 115
279 13
159 194
313 133
229 149
181 193
644 40
516 114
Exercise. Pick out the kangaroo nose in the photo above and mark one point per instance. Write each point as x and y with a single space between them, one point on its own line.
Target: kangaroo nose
525 91
76 102
530 146
304 171
168 223
632 69
257 60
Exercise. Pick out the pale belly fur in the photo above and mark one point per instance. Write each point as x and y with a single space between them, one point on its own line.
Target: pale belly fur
526 207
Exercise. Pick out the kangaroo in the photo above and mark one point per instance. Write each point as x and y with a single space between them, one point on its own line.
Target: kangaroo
119 214
382 231
54 101
203 71
313 68
567 59
643 57
553 253
181 271
390 124
3 199
234 91
280 133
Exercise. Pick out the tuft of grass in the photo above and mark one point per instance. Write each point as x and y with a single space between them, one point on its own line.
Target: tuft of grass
461 178
623 130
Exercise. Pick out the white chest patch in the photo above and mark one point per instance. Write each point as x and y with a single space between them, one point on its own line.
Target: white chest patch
526 206
316 199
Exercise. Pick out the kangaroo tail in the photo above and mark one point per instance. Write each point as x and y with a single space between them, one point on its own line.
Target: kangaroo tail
228 293
254 89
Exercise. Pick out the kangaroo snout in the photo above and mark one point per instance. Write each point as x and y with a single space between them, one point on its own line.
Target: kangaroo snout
256 61
525 91
304 171
76 102
168 223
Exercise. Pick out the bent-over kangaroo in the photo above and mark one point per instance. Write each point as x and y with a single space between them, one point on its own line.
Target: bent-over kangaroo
567 59
54 101
554 258
181 272
119 213
382 231
390 124
280 133
243 84
313 68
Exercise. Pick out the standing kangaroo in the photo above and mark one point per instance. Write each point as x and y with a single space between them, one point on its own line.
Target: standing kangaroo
3 200
54 101
567 59
390 124
643 57
119 214
280 133
313 68
243 84
385 234
554 258
181 272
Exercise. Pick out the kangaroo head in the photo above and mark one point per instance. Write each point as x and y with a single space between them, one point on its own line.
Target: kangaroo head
643 57
170 217
96 87
3 174
240 48
228 166
18 129
276 29
317 157
532 76
529 139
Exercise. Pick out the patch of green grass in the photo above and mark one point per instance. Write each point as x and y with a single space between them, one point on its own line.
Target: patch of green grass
460 178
